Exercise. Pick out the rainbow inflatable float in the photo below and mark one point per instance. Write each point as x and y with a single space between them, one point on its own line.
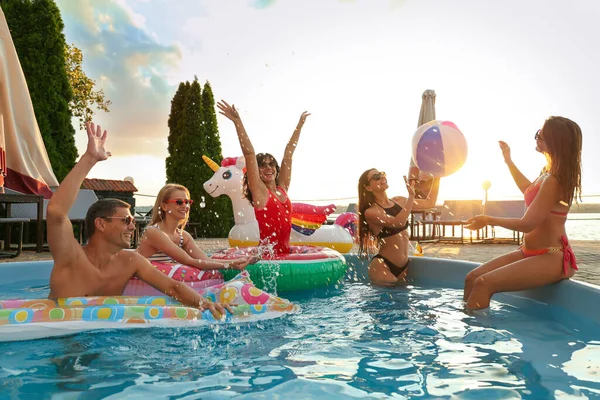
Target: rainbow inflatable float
307 220
43 318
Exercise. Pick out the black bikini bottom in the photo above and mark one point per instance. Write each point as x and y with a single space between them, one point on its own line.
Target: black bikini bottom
394 269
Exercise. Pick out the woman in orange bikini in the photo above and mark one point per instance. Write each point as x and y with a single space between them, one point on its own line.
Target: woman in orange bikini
546 256
383 223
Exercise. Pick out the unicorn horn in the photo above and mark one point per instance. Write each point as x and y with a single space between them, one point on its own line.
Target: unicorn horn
213 165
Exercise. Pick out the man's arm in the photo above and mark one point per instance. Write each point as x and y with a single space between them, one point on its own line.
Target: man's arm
63 245
177 290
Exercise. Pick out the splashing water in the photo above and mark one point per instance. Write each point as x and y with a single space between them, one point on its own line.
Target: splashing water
269 267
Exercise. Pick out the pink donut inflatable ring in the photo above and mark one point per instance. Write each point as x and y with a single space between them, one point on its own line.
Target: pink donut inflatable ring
195 278
304 268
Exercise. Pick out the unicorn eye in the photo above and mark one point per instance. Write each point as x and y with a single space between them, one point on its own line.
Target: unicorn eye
227 174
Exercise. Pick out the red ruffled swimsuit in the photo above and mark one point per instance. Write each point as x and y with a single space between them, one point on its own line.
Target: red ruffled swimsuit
275 222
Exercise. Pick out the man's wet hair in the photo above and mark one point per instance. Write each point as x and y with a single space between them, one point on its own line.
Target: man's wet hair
102 208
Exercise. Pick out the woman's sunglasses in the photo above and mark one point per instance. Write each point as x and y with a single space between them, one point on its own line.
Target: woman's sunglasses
537 135
377 176
180 202
271 164
127 220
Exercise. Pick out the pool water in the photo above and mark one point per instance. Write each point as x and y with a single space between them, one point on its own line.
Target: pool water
353 341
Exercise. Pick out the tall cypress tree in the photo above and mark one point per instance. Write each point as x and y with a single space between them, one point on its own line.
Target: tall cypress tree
193 132
217 218
175 128
36 29
187 159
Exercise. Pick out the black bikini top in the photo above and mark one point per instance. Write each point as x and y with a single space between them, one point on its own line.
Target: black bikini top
391 211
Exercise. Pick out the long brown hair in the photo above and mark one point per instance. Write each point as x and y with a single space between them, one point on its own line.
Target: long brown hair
158 214
563 141
367 241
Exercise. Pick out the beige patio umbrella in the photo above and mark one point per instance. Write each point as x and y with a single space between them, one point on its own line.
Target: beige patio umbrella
24 162
427 114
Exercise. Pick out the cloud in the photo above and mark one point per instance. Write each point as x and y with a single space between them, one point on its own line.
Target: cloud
132 67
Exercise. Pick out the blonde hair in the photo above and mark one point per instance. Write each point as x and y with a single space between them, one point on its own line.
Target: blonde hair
158 214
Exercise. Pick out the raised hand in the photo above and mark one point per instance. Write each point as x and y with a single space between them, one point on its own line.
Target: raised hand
228 110
96 141
410 186
477 222
303 118
505 151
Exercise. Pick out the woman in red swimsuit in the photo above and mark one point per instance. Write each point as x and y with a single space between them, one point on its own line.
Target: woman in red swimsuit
266 185
383 223
545 256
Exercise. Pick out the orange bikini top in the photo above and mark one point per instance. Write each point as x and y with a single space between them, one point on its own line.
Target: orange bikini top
532 191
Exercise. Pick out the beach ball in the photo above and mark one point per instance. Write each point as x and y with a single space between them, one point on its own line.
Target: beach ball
439 148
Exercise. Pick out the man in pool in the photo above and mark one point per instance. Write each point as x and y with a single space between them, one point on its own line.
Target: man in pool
104 266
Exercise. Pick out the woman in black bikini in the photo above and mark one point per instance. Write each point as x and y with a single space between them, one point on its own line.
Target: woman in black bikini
382 224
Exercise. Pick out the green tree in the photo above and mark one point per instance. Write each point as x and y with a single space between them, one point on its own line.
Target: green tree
84 95
175 124
217 218
193 132
37 32
186 160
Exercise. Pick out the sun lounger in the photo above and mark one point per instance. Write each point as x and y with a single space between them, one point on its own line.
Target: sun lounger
85 198
504 209
9 222
454 214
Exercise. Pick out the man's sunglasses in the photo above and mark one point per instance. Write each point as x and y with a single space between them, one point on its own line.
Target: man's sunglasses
180 202
537 135
127 220
377 176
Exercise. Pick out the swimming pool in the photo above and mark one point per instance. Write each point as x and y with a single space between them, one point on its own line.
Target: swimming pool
350 341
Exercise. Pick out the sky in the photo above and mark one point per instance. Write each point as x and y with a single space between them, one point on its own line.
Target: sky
499 69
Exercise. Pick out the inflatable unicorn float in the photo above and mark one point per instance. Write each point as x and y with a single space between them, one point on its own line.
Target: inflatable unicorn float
307 220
